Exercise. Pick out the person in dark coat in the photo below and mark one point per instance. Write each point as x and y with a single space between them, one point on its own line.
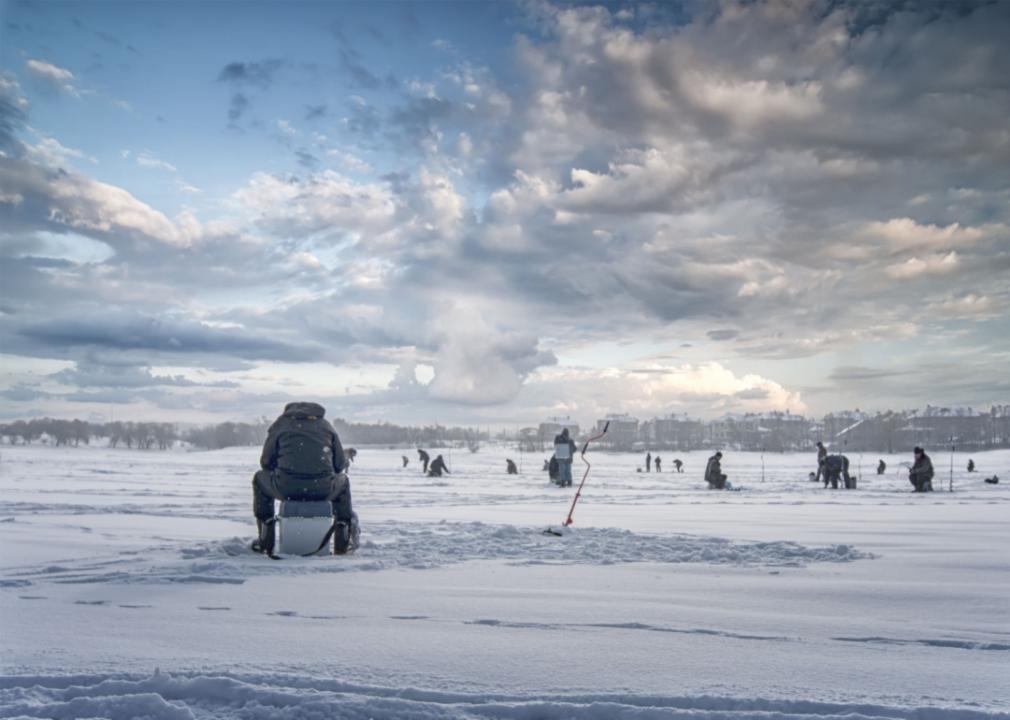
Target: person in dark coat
564 451
921 474
405 460
438 467
881 467
648 462
822 452
351 454
554 470
833 468
971 465
424 458
713 473
659 465
302 459
510 467
678 465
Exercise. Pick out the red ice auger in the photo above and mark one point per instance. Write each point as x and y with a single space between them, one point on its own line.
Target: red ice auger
578 492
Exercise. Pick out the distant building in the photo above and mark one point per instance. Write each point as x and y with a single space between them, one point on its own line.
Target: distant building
673 432
782 431
552 427
623 431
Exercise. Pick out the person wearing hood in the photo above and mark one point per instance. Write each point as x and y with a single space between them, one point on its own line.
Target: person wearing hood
510 467
424 458
302 459
713 473
921 474
881 467
438 467
822 452
564 451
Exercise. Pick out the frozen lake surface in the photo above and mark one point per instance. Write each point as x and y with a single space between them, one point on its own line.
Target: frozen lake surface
127 591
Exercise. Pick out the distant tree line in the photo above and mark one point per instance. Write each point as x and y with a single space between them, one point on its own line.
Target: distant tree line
163 436
142 435
428 436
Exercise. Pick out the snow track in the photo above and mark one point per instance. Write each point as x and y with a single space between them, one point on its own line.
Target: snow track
242 697
422 546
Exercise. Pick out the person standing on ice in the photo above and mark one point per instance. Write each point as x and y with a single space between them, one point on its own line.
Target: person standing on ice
658 461
678 465
971 465
921 474
438 467
405 460
834 467
713 473
424 458
822 452
882 467
510 467
302 459
648 462
564 451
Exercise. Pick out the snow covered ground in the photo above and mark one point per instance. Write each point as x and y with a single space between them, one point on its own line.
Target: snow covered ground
127 591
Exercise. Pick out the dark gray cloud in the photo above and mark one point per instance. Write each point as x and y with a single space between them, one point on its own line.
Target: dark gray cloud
354 67
306 159
237 107
12 115
22 392
89 374
258 74
722 334
151 335
315 112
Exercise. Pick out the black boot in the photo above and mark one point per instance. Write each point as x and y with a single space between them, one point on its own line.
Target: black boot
264 542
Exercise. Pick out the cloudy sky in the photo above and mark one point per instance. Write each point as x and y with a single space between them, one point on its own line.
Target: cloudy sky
498 212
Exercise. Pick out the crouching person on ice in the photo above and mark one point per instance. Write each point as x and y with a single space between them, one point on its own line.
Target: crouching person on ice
303 467
921 474
834 468
714 475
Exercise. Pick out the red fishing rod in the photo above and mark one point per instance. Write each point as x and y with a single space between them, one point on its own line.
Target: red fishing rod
578 493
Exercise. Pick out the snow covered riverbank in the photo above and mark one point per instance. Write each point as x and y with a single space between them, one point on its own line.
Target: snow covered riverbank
666 599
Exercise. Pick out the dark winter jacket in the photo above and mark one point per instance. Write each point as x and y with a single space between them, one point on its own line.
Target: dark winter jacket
438 467
713 471
302 444
922 471
835 463
563 439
